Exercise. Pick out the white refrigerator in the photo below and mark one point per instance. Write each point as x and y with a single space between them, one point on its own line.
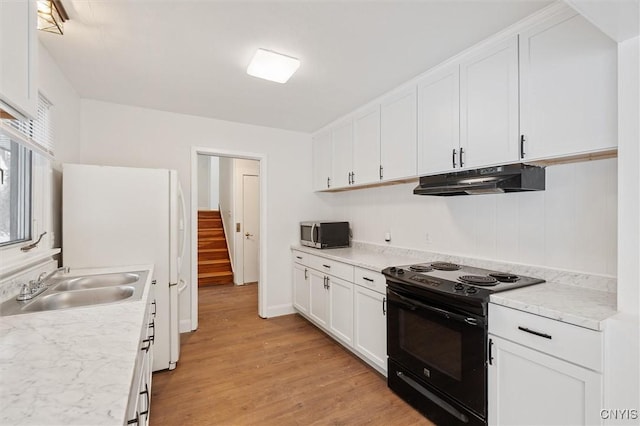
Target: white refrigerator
116 216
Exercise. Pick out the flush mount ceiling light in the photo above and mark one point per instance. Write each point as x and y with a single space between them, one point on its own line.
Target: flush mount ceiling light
272 66
51 16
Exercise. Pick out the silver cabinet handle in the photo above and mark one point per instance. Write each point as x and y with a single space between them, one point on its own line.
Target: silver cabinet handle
367 279
537 333
453 158
305 273
461 152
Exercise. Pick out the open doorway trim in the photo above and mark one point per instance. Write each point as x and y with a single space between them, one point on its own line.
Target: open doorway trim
262 283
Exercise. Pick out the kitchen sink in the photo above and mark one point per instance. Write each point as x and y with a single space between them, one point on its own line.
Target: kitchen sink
95 281
72 299
67 292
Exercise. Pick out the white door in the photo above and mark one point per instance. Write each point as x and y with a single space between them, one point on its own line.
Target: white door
489 132
370 332
439 121
527 387
251 221
322 161
568 87
366 147
341 309
398 135
301 288
318 298
342 159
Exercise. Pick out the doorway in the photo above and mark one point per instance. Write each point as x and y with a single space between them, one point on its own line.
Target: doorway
234 190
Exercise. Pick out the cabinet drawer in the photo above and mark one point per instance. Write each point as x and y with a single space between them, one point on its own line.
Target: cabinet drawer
300 257
331 267
370 279
569 342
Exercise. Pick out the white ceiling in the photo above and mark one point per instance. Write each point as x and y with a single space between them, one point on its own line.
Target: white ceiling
190 56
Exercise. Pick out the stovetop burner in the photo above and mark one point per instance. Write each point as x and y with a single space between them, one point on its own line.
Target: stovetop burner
445 266
504 277
481 280
421 268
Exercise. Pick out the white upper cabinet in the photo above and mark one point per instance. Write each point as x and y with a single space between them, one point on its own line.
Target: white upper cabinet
18 56
439 120
489 132
321 146
342 154
568 88
398 137
366 146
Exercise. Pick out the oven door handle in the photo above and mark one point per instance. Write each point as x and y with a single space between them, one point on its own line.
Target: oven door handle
414 305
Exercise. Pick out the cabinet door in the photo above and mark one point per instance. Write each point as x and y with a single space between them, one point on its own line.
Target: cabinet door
341 309
527 387
18 56
321 145
319 298
342 158
568 88
371 326
398 135
489 132
301 288
366 146
439 121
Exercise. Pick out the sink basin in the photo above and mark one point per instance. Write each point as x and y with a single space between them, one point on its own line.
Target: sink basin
66 292
96 281
72 299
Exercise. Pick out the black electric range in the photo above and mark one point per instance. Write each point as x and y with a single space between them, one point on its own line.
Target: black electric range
437 340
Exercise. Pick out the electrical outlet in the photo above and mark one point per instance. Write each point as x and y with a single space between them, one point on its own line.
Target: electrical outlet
428 237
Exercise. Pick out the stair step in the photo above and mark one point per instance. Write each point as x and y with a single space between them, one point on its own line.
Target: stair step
217 233
209 223
213 254
220 265
212 243
213 278
208 214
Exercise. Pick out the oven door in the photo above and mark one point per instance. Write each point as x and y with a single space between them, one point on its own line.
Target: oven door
445 349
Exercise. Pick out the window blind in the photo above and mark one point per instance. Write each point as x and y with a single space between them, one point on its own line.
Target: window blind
36 134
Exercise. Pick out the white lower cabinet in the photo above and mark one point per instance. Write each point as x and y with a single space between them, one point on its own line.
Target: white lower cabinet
537 373
301 288
370 328
347 302
318 298
139 406
341 309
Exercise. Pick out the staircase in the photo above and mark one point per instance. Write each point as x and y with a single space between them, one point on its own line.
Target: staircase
214 266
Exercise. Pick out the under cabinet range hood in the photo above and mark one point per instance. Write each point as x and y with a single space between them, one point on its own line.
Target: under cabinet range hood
488 180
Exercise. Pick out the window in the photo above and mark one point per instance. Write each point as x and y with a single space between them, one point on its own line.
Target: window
25 148
15 192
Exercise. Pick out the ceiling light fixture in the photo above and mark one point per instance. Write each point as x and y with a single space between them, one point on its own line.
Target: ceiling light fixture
51 16
272 66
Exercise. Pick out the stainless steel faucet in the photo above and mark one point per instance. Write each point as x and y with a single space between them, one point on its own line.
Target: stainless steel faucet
45 276
34 288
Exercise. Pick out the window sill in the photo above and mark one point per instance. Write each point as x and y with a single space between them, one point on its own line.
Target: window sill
15 263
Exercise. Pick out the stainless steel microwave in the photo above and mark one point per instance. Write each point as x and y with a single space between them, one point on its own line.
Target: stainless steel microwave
324 234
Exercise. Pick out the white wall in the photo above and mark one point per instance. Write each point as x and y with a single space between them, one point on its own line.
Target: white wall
240 167
226 204
113 134
204 182
214 182
65 115
571 225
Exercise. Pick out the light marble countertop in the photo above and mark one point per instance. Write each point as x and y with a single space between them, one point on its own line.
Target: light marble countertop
574 298
567 303
71 366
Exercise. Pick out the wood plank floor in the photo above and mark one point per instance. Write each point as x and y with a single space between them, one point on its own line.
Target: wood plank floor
239 369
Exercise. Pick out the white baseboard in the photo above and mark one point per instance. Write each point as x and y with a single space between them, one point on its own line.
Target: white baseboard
279 310
185 326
